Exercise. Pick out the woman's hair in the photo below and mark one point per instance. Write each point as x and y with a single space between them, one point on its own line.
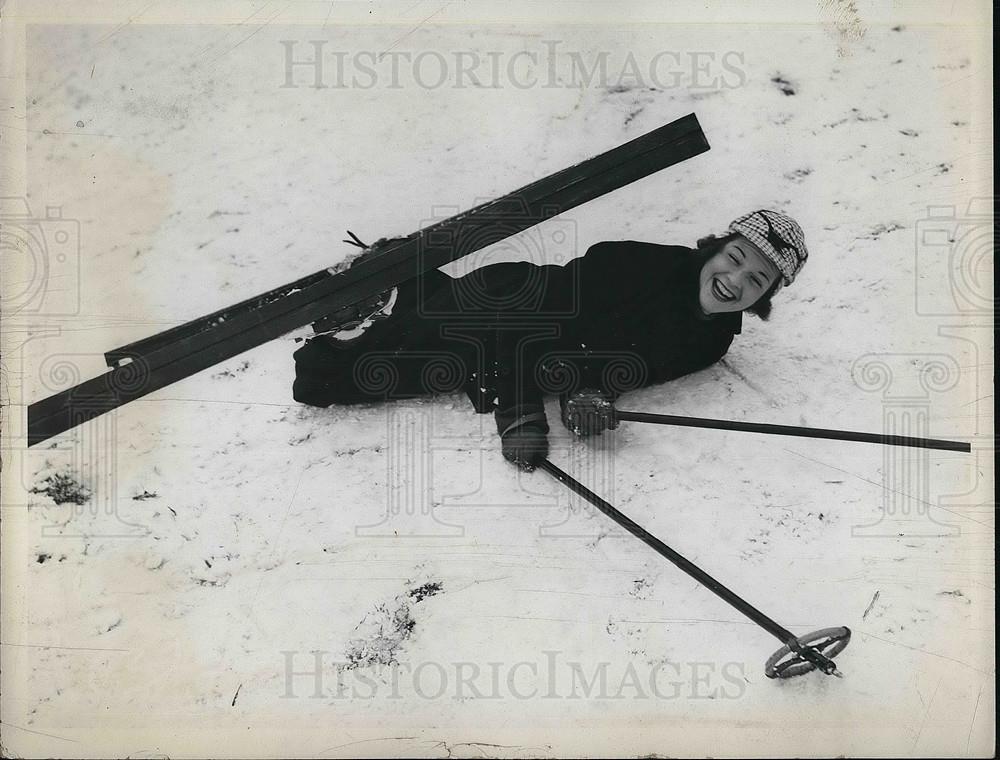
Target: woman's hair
708 246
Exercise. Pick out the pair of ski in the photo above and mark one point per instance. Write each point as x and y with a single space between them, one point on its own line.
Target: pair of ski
145 366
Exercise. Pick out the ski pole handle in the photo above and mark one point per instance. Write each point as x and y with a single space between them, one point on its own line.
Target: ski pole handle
803 432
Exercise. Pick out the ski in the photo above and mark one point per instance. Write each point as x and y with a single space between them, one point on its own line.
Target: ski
145 366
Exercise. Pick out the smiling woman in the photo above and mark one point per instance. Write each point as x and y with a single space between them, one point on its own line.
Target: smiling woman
625 315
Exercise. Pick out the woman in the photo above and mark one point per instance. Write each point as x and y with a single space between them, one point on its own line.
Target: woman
623 316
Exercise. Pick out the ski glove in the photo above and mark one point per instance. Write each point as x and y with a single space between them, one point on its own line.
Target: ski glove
523 435
588 412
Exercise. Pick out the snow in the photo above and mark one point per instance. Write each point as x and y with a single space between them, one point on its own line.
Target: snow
231 532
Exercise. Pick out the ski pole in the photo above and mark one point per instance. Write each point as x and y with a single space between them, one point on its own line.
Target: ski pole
813 651
805 432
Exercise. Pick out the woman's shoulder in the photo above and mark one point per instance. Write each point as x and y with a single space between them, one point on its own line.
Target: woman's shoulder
630 255
625 247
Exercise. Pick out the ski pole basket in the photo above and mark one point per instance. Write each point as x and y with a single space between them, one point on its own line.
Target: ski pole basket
799 656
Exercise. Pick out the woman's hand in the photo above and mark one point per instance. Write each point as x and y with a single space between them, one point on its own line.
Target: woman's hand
588 412
526 446
523 435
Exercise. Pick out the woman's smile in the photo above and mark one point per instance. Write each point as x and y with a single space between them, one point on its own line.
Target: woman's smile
720 291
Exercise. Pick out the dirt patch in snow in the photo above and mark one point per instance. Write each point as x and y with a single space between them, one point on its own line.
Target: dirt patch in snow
386 629
63 488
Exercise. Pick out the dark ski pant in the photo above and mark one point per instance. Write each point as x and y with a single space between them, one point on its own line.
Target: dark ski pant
487 333
410 354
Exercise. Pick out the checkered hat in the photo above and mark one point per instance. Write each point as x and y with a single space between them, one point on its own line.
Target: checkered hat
779 237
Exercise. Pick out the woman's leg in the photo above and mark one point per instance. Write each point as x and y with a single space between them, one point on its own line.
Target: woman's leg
323 375
391 360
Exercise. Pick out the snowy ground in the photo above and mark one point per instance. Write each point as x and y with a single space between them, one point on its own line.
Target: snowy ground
227 532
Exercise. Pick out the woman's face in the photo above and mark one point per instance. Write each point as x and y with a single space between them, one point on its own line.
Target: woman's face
735 277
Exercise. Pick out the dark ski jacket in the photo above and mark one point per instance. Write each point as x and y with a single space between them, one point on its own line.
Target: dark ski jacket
623 316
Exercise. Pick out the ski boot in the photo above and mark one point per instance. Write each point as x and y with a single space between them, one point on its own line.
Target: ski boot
351 322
